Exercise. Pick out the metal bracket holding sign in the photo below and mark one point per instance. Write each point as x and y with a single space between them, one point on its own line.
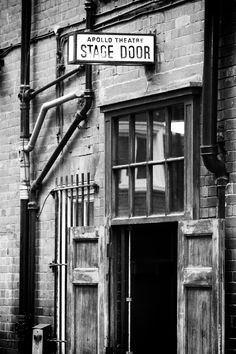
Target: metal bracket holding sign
111 48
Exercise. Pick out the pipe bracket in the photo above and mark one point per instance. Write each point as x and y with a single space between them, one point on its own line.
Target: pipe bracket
209 150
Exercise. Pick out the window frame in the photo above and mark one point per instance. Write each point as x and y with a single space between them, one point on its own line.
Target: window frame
190 97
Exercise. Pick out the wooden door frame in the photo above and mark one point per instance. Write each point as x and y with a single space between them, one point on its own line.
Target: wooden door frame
114 234
217 281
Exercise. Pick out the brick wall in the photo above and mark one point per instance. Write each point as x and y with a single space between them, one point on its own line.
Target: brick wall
9 179
227 114
179 36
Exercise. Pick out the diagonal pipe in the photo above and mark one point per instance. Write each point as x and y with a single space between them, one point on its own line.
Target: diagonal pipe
33 93
80 116
43 111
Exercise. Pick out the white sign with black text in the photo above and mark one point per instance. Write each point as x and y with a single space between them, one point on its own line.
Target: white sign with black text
111 48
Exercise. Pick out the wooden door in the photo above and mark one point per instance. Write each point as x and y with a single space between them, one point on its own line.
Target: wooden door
83 296
200 287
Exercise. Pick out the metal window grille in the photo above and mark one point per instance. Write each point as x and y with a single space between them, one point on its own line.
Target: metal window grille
74 206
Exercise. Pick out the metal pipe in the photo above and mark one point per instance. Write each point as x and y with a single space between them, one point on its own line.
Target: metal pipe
25 318
43 111
209 149
129 298
60 71
81 115
29 210
33 209
25 41
54 82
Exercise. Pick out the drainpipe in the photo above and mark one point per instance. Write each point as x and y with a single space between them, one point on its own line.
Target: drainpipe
43 111
28 206
80 116
209 148
34 93
25 315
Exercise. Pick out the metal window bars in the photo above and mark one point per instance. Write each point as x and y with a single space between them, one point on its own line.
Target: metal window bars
74 206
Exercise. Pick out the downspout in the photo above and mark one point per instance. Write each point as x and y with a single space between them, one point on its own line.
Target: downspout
209 148
28 200
79 116
43 111
25 315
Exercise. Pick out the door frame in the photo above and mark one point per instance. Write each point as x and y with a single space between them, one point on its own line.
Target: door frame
113 255
214 227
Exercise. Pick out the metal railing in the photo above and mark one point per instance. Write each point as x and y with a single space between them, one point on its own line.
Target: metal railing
74 206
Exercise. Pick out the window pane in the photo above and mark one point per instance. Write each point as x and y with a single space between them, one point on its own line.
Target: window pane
158 189
122 198
123 141
177 131
140 137
140 191
159 129
156 135
176 178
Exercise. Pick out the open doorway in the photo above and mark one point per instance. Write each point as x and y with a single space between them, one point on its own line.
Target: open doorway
146 288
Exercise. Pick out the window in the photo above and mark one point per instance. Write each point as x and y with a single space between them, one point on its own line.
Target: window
151 151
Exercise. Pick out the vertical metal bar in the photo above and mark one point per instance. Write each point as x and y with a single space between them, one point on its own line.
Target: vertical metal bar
77 201
168 114
149 169
129 299
71 203
59 269
88 199
82 200
114 175
123 288
131 187
55 260
64 261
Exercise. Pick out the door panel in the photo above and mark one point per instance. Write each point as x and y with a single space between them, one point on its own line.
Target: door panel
200 286
198 323
82 295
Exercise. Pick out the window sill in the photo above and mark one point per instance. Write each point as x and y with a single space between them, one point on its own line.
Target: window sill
147 219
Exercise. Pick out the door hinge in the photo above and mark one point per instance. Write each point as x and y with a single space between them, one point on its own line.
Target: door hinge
54 265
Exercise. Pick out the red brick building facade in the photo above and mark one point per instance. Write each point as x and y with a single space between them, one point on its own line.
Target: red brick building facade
122 211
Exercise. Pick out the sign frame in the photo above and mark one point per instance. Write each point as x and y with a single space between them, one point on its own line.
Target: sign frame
72 44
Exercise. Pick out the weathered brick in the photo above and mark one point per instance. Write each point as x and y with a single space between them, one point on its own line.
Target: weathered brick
179 37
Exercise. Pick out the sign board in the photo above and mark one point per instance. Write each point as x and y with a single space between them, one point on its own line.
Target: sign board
124 49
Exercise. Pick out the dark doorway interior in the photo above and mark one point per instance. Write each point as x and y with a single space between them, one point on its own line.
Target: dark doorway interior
152 262
154 289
